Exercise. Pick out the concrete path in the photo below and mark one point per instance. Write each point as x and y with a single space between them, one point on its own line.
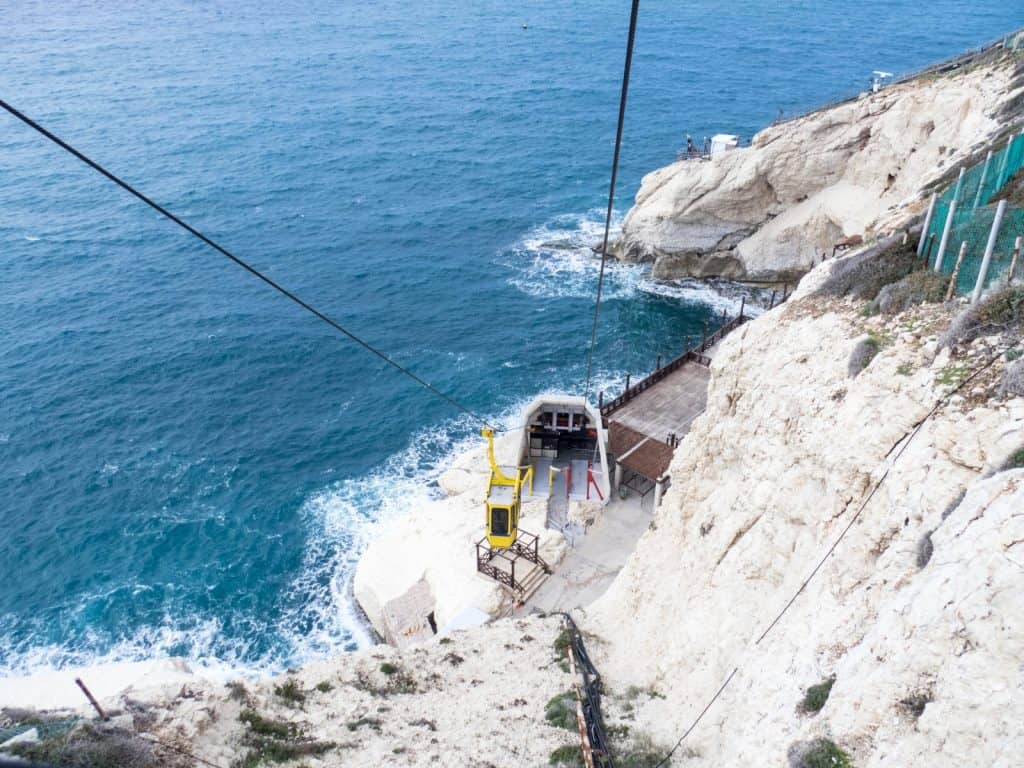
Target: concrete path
587 571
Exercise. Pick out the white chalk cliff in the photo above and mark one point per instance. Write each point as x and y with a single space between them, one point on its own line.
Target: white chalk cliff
768 211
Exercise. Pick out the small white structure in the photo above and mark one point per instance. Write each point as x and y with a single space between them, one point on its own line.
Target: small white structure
723 142
880 80
567 433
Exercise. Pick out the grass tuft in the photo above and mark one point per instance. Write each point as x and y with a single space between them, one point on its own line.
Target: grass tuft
999 312
816 696
568 756
817 753
291 691
919 287
560 711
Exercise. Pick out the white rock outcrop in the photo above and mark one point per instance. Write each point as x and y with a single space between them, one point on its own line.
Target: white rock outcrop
768 211
763 485
434 545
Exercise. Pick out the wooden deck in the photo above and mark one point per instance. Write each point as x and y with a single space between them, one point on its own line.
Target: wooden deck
647 421
639 432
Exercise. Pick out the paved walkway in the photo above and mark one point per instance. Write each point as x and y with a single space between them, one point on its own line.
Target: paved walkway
588 570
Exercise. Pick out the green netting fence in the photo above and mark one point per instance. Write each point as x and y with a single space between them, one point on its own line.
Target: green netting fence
973 217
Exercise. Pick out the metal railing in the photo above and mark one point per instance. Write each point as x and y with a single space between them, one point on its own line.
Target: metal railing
694 354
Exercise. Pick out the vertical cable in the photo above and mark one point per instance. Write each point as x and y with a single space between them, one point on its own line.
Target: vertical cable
611 188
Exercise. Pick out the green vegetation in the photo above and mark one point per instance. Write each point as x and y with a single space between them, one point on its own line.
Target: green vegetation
95 747
819 753
560 711
568 756
816 696
291 691
1016 460
389 669
953 376
324 686
562 643
904 369
264 726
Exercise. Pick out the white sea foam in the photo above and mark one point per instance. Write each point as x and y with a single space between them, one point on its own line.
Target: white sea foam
556 260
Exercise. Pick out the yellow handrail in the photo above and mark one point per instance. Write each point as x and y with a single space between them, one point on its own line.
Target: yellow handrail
500 476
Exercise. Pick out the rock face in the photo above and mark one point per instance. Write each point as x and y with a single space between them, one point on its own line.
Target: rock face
424 564
917 613
767 211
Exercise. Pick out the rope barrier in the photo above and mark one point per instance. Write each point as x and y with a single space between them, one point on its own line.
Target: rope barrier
240 262
611 188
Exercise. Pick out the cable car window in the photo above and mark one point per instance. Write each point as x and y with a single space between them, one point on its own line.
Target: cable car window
562 420
499 521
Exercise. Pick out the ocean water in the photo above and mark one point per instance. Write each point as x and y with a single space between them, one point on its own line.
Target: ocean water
189 465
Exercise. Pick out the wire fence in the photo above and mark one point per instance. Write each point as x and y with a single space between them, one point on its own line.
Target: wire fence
963 220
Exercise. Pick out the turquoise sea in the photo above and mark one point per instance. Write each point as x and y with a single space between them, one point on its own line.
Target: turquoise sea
188 463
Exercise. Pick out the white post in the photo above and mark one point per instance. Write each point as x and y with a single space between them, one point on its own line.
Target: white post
987 259
984 178
928 222
658 489
946 229
618 474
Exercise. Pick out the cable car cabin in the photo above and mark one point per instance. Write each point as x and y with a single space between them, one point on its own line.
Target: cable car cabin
504 499
503 503
561 457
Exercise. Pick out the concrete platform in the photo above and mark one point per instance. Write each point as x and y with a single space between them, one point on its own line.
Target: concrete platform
589 569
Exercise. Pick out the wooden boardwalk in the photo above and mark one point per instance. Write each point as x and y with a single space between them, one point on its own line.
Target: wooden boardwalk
647 421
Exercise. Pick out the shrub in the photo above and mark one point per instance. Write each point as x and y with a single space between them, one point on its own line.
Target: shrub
389 669
862 355
291 691
919 287
817 753
816 696
324 686
1013 380
370 722
863 278
560 711
561 644
1001 311
568 756
264 726
91 747
925 549
1015 460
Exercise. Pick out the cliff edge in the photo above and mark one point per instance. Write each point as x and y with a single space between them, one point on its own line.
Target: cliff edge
769 211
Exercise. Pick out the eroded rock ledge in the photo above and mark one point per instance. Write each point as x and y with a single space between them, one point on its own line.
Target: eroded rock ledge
766 212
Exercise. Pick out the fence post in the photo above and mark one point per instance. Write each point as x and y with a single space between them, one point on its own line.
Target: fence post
1013 262
984 178
743 306
928 250
657 365
987 259
771 304
946 229
927 223
627 382
956 271
600 400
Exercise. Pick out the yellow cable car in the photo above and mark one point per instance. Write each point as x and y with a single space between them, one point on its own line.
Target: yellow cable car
504 498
